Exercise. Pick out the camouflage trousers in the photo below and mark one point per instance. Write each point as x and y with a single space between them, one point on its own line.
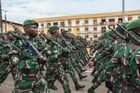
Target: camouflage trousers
69 69
31 82
4 71
59 74
75 65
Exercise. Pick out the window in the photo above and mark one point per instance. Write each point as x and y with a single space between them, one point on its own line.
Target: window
139 17
112 21
103 21
62 24
130 18
48 24
86 21
77 22
95 29
103 29
95 36
120 20
86 29
69 30
55 23
69 22
91 38
42 25
95 21
77 29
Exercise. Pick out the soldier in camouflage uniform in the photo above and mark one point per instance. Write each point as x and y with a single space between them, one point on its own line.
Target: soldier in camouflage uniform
101 61
67 61
55 69
72 47
114 65
28 77
131 59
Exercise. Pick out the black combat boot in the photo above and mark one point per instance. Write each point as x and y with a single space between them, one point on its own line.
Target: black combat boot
78 86
83 70
91 90
81 77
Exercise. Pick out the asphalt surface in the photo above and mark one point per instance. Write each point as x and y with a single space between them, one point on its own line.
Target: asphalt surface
8 85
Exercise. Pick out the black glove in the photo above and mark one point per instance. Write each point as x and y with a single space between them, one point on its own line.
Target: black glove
109 85
91 90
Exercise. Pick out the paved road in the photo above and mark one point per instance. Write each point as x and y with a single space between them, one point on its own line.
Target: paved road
8 85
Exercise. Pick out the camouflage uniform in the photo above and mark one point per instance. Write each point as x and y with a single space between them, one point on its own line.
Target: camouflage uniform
28 75
55 70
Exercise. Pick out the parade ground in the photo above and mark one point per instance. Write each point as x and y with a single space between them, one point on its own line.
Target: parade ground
8 85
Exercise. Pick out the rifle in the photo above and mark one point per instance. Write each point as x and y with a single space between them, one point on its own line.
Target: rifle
67 43
54 42
117 33
135 37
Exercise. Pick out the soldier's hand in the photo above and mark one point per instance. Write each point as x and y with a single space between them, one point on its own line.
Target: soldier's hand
90 64
66 50
43 58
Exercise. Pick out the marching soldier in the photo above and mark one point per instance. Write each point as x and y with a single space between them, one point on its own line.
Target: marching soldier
67 61
24 53
55 70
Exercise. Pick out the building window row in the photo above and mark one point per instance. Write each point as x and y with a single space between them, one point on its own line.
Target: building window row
86 22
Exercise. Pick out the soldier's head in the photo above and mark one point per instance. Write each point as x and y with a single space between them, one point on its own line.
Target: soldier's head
54 30
9 35
66 34
72 36
41 36
134 26
30 28
111 34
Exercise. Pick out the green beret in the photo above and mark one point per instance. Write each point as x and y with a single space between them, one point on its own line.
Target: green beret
133 24
52 28
72 34
64 31
124 25
30 22
109 32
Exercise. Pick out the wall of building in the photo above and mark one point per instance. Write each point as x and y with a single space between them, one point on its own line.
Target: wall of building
8 27
89 26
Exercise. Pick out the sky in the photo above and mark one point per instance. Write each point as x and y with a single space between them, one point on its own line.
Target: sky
20 10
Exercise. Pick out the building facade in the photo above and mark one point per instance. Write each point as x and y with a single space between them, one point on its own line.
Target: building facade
89 26
7 26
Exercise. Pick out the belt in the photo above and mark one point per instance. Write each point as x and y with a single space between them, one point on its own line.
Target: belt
29 71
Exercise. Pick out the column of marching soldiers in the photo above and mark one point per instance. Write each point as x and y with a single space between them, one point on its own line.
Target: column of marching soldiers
28 55
115 61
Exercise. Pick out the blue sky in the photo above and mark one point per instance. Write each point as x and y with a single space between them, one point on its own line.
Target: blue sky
19 10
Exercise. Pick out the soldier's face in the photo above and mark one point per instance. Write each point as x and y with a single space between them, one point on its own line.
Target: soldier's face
56 33
10 37
33 30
